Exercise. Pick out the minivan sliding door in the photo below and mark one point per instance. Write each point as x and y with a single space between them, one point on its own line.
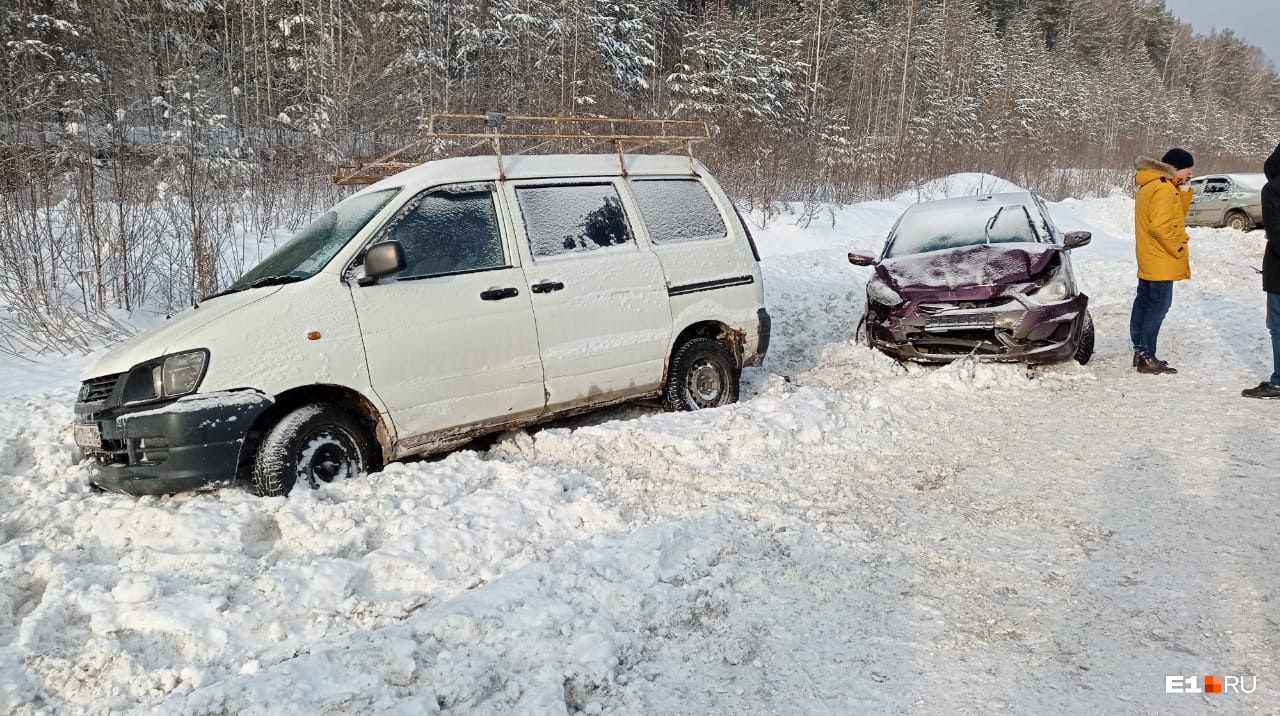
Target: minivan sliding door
600 299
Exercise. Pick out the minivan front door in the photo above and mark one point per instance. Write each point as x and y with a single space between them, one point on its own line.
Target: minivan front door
450 340
600 299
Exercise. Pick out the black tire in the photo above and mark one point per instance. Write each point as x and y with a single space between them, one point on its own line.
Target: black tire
702 374
313 443
1084 351
1239 221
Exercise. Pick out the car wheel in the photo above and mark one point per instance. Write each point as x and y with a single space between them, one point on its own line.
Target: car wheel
1239 221
702 374
1084 350
317 442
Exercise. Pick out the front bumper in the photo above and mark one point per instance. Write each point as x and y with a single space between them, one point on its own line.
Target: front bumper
1014 333
189 444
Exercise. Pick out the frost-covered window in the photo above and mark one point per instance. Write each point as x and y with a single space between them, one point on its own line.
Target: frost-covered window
678 210
932 228
448 230
573 218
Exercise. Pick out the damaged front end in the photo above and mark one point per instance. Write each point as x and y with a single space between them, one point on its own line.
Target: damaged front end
1017 305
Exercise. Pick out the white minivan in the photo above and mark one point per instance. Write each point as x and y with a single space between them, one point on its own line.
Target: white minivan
460 297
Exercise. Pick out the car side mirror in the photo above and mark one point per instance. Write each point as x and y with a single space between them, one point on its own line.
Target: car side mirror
381 260
1076 239
861 259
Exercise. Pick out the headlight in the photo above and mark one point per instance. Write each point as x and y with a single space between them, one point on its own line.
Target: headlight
1054 289
879 292
181 373
167 377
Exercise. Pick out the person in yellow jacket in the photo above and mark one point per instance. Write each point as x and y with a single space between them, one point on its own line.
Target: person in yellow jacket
1160 232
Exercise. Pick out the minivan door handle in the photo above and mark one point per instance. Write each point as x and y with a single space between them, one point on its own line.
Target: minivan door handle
497 294
546 287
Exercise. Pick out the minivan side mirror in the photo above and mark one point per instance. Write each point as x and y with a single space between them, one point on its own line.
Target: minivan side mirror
1076 239
861 259
382 259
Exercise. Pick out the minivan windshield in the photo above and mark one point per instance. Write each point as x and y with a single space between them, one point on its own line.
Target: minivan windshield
318 242
938 228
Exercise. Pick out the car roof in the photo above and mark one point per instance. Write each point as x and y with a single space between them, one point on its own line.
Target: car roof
539 166
1255 176
1008 198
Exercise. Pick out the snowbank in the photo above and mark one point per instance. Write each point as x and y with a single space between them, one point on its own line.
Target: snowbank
855 536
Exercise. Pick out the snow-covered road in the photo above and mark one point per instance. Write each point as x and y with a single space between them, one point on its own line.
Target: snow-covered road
853 537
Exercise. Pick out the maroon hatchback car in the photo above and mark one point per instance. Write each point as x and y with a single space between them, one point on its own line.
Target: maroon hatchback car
986 276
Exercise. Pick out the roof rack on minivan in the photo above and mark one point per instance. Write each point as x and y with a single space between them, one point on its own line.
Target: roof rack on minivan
493 128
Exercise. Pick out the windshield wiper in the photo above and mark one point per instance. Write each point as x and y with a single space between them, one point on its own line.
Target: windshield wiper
991 224
258 283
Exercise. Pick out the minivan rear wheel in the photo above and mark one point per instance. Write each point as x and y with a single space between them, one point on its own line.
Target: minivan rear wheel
311 444
702 374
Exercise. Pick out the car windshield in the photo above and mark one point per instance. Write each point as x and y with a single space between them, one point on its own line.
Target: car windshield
312 247
935 228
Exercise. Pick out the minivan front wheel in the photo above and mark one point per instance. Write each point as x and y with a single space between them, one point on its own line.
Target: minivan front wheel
314 443
702 374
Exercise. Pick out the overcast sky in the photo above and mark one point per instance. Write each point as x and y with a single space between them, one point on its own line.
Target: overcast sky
1257 21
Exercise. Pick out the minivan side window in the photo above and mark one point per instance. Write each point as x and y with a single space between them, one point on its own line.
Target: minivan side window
678 210
447 230
575 218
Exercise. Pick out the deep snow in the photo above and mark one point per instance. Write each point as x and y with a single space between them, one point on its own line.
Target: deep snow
853 537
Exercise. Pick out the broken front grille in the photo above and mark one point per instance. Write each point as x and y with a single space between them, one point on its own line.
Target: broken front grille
933 307
98 389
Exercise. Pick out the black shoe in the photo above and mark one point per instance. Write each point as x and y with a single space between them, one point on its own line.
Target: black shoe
1165 367
1265 391
1150 365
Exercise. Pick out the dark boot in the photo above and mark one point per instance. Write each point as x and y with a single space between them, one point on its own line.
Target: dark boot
1265 391
1164 364
1136 356
1150 365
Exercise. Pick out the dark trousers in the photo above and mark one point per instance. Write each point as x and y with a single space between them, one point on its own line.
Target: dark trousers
1150 305
1273 325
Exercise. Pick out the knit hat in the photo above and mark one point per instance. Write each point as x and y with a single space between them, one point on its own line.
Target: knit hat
1178 158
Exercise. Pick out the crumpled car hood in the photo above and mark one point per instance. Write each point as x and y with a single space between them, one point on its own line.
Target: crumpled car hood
966 273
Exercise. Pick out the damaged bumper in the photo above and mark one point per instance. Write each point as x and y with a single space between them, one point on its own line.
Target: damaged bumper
189 444
1011 330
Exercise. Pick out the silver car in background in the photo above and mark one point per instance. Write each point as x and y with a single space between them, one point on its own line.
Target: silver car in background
1233 200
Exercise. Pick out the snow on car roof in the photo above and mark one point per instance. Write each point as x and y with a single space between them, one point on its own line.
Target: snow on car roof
995 201
485 168
1251 180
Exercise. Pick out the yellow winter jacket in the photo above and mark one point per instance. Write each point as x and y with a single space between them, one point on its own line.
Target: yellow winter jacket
1159 216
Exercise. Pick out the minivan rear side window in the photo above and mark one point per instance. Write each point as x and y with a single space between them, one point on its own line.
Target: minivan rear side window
447 230
678 210
574 218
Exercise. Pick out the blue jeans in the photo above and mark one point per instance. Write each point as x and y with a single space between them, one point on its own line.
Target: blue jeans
1273 325
1150 305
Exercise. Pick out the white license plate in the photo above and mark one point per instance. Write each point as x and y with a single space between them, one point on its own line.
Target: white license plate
88 436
